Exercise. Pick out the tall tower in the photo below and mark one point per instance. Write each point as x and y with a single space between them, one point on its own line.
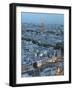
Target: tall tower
42 26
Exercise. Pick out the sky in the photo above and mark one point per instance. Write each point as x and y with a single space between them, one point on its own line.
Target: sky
48 18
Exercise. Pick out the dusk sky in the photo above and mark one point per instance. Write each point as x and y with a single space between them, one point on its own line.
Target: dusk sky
37 18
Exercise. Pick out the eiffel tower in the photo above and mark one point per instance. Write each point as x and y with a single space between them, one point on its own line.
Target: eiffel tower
42 26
